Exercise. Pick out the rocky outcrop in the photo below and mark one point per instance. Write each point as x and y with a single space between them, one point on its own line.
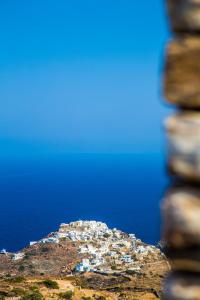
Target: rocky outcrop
181 286
181 204
184 15
183 134
182 69
182 207
181 228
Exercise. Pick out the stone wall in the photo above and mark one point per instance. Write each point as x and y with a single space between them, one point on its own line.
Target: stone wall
181 203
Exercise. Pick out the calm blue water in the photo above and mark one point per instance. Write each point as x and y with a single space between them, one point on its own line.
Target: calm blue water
122 190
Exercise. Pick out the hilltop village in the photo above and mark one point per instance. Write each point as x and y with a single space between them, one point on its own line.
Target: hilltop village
86 260
102 249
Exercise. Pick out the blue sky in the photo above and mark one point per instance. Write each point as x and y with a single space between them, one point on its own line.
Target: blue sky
81 76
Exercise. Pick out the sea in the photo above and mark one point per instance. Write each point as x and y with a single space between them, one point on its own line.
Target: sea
122 190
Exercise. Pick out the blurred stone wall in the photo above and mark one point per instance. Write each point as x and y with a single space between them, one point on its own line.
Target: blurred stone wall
181 204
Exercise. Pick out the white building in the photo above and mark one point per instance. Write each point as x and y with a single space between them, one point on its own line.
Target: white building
83 266
132 236
97 261
32 243
3 251
112 253
87 249
141 249
61 235
50 240
18 256
127 259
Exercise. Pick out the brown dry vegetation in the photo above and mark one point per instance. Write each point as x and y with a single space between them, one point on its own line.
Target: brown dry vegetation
145 285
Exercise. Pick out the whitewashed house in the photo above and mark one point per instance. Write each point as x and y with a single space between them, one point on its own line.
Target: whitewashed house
3 251
127 259
61 235
112 253
50 240
32 243
18 256
141 249
83 266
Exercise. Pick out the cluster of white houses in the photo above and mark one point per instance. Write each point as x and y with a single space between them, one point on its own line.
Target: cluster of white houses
102 249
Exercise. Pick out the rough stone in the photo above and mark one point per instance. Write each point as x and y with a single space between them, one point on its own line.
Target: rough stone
185 259
181 216
182 72
183 130
182 286
184 15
